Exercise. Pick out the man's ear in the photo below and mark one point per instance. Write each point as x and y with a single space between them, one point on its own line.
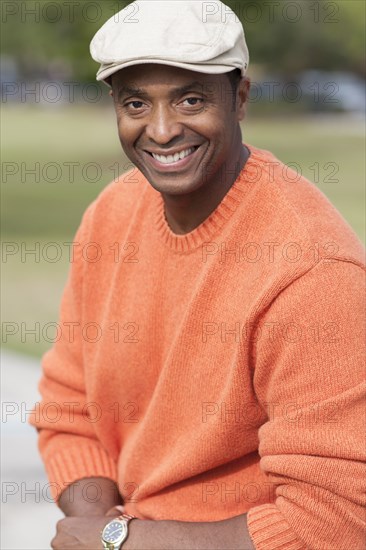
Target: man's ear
111 93
243 95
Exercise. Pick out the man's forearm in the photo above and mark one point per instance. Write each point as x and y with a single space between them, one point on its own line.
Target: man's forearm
168 535
92 496
84 532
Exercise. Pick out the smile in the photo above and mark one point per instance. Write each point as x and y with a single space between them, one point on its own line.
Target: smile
173 158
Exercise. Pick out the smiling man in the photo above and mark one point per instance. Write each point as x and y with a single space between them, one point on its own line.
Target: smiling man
184 137
210 393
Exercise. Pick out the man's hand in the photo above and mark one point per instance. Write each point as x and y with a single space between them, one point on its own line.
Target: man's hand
80 533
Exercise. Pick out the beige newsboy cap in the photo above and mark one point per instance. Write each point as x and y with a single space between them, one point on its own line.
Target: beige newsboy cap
198 35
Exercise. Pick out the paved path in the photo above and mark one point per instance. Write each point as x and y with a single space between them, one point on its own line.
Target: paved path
28 516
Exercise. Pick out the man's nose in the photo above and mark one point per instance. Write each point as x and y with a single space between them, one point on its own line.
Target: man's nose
163 125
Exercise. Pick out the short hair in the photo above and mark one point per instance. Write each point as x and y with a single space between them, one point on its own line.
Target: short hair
234 79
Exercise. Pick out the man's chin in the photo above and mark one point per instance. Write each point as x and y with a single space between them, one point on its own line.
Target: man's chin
173 186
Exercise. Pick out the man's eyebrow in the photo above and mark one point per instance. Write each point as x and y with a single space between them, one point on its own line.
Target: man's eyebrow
187 88
129 90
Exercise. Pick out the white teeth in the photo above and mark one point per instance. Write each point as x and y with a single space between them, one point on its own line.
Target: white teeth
174 158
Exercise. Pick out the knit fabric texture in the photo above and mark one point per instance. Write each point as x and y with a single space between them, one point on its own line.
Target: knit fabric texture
218 372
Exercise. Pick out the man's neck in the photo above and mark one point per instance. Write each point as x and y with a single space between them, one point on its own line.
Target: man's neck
186 212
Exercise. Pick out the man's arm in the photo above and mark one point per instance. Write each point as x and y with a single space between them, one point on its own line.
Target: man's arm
86 517
167 535
230 534
69 443
309 376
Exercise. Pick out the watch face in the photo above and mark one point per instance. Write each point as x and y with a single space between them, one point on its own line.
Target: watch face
114 531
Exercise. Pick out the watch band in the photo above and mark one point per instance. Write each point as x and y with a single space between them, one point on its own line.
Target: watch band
127 517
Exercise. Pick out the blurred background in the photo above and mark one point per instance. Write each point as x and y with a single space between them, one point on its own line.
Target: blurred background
59 148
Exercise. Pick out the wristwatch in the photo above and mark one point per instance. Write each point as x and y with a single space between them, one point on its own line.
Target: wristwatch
116 532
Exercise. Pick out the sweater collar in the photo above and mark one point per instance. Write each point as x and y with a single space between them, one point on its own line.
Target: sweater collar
216 220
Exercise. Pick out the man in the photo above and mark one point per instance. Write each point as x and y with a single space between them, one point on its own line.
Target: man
212 384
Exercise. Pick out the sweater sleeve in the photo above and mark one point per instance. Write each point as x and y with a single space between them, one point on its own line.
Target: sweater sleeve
67 441
309 377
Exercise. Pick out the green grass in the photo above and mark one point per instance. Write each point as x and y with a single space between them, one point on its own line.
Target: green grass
36 205
44 211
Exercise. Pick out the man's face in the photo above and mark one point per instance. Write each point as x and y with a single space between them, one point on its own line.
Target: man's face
180 128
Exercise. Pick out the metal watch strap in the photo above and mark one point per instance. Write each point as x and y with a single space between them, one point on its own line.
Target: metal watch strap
127 517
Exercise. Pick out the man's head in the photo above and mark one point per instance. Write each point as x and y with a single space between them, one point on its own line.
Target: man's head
179 89
165 111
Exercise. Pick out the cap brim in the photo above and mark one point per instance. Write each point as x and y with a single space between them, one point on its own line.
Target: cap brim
206 68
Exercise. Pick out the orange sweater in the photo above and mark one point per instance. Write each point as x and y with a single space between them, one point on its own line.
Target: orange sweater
217 372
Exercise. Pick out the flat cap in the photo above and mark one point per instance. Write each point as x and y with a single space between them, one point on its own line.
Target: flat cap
197 35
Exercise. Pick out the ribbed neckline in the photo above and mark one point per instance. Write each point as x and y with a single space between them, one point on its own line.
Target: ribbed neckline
217 219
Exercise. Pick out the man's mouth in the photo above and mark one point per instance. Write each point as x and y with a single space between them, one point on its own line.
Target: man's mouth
176 157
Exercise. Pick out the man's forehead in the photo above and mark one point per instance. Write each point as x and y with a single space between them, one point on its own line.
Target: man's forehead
150 75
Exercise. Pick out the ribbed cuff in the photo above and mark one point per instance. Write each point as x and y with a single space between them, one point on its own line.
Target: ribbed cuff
78 462
269 530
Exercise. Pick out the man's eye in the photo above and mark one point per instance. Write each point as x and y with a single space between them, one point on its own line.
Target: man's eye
135 104
193 101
